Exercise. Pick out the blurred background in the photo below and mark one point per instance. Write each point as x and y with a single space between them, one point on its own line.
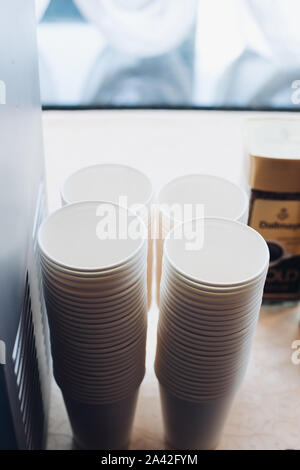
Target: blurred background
242 54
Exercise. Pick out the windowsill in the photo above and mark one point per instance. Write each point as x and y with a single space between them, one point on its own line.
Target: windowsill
166 144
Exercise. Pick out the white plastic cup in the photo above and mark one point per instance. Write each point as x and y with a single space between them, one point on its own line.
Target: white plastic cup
71 237
210 301
95 292
232 254
193 426
110 182
102 427
218 196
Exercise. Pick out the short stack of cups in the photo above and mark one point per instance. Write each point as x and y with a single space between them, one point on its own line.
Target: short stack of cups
116 183
94 278
211 295
183 198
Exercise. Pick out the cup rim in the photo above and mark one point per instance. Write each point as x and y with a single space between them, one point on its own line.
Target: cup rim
106 165
174 181
90 289
102 317
86 204
201 340
194 297
224 221
201 397
111 350
103 400
211 317
92 276
233 355
94 299
190 285
110 367
205 325
203 351
109 362
225 341
201 378
135 325
88 391
94 316
94 380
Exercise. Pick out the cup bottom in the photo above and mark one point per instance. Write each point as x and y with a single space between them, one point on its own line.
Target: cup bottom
102 427
193 426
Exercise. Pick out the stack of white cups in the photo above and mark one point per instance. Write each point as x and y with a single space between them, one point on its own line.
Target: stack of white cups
211 293
120 184
193 196
94 277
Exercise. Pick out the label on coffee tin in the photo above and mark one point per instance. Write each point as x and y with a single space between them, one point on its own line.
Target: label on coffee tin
278 221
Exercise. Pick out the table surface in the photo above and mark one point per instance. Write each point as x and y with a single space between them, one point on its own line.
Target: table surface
266 411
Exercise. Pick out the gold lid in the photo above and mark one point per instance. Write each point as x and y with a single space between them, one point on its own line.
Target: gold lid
275 174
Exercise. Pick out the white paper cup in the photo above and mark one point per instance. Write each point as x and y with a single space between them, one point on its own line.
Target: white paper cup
218 368
81 323
83 278
193 317
91 274
70 237
90 342
232 254
196 359
99 362
95 292
190 389
213 298
206 332
107 182
183 281
107 426
210 302
195 382
218 196
193 426
110 182
108 381
88 312
204 349
99 396
209 311
98 290
100 303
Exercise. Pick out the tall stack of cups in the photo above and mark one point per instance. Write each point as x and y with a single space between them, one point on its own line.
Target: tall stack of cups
120 184
183 198
94 277
213 277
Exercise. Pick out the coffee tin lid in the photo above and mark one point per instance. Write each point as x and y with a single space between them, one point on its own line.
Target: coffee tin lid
274 149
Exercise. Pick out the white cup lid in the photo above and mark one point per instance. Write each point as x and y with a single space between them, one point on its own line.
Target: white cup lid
219 197
107 182
231 254
70 236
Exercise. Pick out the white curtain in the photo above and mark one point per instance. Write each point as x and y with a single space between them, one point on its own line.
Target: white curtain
142 28
279 22
40 8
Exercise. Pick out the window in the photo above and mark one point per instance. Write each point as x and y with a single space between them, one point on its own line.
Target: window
169 53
